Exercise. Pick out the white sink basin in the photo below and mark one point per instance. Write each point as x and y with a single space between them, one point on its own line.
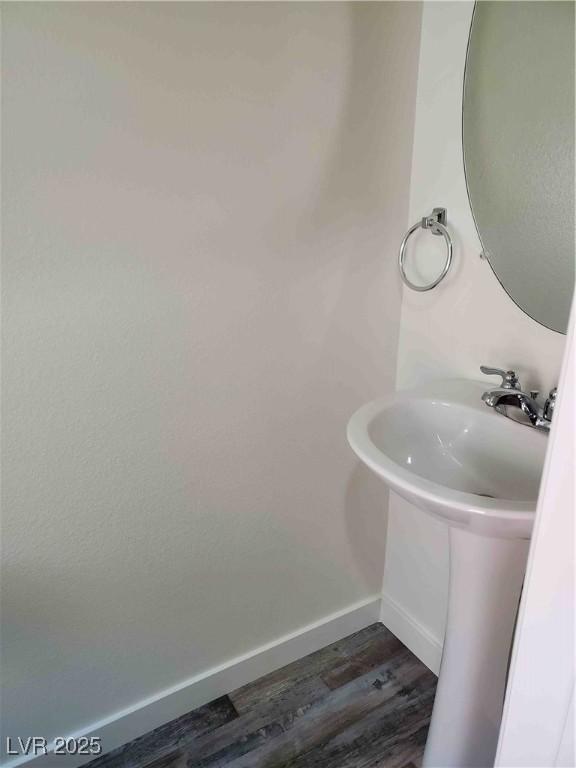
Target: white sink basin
452 456
449 454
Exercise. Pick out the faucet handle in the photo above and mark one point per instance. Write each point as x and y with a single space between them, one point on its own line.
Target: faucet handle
549 404
509 378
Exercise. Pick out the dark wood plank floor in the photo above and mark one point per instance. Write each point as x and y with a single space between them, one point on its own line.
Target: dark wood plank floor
363 702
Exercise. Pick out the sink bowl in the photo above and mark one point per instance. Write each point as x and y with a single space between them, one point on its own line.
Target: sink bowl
453 457
449 454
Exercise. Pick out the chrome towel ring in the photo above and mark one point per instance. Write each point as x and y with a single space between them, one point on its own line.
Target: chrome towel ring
436 223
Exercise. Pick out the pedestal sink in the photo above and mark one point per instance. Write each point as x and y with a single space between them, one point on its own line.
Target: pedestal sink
453 457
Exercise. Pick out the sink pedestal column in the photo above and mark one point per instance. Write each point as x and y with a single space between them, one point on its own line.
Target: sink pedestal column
486 576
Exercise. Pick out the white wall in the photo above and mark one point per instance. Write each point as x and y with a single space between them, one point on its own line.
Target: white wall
465 322
202 208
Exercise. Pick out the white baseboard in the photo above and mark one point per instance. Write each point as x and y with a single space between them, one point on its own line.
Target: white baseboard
417 638
147 714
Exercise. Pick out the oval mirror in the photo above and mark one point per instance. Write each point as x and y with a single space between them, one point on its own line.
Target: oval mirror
518 140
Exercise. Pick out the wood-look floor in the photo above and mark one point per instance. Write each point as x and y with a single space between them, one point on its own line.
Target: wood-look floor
363 702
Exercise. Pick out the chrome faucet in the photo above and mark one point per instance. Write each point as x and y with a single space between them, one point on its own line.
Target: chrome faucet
509 393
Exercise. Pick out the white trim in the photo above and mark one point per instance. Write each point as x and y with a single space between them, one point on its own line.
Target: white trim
423 644
165 705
